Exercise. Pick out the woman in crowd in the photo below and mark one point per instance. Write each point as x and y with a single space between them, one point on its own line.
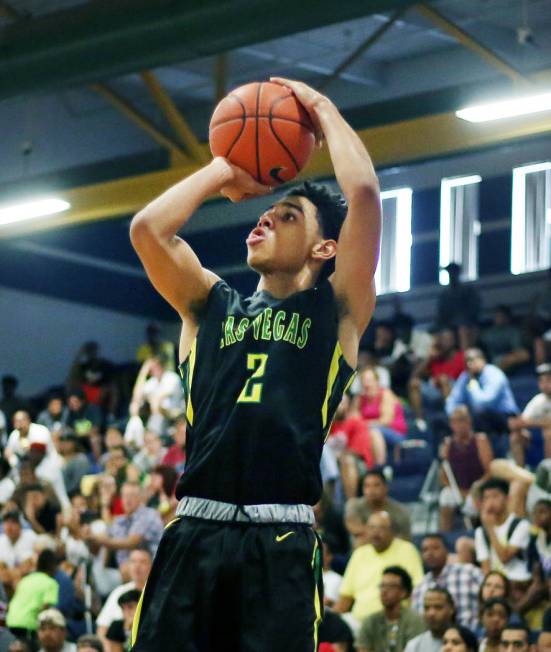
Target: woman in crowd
459 639
494 614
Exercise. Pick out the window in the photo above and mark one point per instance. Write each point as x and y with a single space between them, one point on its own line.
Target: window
393 271
531 218
459 226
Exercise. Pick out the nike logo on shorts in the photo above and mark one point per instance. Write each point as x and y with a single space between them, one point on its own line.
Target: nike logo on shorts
281 538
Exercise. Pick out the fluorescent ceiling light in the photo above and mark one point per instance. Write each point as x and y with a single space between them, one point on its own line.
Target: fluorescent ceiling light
32 209
506 108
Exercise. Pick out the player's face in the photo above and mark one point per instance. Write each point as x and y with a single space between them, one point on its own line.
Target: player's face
284 236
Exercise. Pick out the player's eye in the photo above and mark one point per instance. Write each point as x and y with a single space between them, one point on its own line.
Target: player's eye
288 217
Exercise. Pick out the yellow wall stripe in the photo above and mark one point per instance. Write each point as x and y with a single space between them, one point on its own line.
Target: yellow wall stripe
331 377
191 368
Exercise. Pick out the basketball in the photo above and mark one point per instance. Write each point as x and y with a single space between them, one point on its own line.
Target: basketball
262 128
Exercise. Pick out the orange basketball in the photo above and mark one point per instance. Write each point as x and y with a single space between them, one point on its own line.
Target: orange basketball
262 128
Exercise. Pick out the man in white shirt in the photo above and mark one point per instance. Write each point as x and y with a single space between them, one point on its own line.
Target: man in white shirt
502 539
23 435
16 544
139 566
536 414
48 468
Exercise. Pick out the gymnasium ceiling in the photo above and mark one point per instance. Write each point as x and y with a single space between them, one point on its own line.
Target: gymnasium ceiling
94 92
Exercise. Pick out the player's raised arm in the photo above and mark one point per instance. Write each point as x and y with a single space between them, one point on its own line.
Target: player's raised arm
358 245
169 261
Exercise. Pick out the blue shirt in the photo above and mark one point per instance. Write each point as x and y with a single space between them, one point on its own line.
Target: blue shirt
489 392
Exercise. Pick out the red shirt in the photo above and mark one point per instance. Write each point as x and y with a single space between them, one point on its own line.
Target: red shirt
451 368
358 439
174 456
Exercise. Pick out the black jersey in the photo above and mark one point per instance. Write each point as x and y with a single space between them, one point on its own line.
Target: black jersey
262 381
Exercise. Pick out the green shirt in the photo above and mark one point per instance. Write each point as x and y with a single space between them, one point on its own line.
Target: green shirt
32 594
378 635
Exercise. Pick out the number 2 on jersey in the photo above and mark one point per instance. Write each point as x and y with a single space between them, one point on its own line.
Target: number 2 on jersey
252 389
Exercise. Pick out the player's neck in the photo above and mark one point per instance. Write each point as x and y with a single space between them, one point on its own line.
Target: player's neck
283 285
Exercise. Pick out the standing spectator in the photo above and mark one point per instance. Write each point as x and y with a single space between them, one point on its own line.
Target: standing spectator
75 463
34 592
93 375
139 566
24 434
119 633
502 539
395 625
40 510
154 345
16 544
375 499
176 454
10 401
503 341
486 391
469 455
463 581
52 632
536 414
80 415
53 417
7 485
439 614
433 377
458 306
48 469
139 524
382 409
359 592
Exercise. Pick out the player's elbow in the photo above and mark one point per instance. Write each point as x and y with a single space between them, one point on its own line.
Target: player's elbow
140 230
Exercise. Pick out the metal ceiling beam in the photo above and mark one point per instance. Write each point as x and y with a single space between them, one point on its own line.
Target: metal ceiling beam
471 43
403 142
175 118
104 39
363 47
138 119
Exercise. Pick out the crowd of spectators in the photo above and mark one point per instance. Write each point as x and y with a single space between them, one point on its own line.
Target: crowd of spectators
88 472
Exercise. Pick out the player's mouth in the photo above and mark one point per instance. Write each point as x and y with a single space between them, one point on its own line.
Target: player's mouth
256 236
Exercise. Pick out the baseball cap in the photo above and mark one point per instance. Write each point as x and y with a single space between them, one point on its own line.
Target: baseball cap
51 617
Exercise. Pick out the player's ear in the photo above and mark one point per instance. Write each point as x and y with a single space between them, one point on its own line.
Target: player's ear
324 250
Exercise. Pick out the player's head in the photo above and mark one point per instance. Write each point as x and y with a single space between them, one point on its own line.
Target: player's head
298 234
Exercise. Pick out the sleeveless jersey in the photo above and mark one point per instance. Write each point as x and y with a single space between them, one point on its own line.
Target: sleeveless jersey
262 381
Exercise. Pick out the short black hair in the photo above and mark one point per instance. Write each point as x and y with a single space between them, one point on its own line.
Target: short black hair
89 640
519 627
331 211
492 602
132 595
47 562
449 598
494 483
543 501
377 473
436 535
404 576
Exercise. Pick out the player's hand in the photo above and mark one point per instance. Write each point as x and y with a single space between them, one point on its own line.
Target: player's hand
308 97
241 185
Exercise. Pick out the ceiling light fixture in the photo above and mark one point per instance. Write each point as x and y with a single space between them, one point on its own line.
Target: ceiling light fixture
506 108
32 209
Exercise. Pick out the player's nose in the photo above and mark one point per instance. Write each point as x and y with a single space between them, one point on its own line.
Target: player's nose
265 221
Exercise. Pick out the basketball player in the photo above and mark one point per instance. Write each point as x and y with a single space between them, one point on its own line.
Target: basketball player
239 568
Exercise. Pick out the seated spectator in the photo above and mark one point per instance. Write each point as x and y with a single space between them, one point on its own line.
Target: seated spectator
47 468
502 539
16 544
486 391
494 585
20 645
433 377
7 639
538 322
7 485
176 454
381 409
80 415
89 643
375 499
367 358
439 615
154 345
33 593
355 521
139 524
151 454
363 573
93 375
139 566
40 511
330 525
536 414
503 341
334 635
459 639
52 632
159 391
395 625
118 465
387 348
544 642
458 306
54 416
119 633
75 463
462 581
469 456
331 580
357 448
515 637
160 491
23 435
